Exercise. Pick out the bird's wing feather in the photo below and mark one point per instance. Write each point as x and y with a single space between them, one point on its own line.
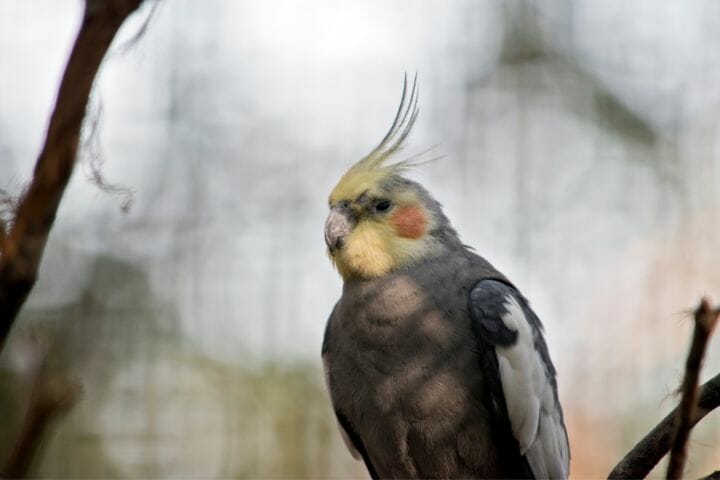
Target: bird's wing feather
345 435
503 319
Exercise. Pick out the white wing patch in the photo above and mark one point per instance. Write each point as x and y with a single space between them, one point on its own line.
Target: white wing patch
346 438
534 417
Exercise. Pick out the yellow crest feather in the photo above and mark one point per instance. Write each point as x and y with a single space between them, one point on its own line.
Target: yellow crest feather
367 173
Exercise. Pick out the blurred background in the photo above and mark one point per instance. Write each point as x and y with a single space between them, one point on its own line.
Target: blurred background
581 158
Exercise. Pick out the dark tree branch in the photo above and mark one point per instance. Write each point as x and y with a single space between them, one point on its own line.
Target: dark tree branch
53 394
23 238
705 320
652 448
24 243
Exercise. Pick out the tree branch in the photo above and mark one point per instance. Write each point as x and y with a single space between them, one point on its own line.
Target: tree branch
53 394
649 451
24 243
705 320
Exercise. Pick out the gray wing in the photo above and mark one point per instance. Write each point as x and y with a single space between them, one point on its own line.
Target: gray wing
350 437
524 374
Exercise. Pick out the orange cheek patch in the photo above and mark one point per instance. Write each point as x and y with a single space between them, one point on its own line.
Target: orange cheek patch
409 222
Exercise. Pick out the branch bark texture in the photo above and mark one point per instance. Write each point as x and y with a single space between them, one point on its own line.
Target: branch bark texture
652 448
54 393
705 320
22 247
22 243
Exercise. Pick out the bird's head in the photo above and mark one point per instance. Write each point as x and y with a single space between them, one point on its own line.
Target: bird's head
379 221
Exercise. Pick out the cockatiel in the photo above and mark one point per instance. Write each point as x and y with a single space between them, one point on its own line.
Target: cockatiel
435 363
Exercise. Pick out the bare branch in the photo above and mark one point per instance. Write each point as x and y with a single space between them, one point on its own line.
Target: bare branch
53 394
652 448
705 320
25 241
649 451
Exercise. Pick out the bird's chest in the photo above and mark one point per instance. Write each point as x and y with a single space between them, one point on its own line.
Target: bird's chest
396 350
402 368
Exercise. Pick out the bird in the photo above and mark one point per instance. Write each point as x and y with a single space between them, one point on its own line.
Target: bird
435 363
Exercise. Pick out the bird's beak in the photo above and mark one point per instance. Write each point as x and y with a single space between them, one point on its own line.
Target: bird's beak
338 225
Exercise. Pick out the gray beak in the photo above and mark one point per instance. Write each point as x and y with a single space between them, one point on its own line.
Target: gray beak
338 225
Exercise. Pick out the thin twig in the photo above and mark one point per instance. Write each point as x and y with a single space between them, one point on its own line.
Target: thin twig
93 159
53 394
137 36
25 241
652 448
705 320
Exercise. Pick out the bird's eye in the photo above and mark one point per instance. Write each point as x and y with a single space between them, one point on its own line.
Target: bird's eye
383 206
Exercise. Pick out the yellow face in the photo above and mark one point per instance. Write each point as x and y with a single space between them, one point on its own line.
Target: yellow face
373 230
379 223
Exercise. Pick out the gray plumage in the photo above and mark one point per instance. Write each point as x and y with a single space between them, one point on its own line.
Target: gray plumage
422 363
435 363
